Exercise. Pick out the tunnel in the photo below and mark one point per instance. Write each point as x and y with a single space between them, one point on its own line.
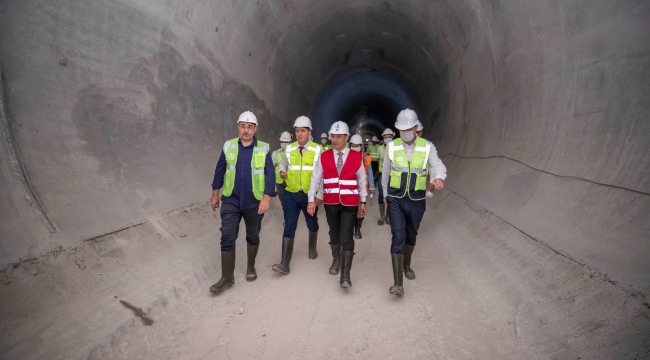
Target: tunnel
114 114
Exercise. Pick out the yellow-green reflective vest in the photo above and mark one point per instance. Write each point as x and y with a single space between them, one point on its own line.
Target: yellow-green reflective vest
231 149
277 158
408 175
381 152
329 146
301 167
372 151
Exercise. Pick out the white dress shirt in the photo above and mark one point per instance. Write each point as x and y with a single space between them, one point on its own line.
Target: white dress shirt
317 176
436 168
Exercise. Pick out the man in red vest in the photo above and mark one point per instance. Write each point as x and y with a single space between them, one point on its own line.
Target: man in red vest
343 179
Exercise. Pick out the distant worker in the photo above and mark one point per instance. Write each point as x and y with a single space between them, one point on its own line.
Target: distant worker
323 142
343 177
373 152
420 129
387 137
296 169
285 139
407 163
356 144
244 177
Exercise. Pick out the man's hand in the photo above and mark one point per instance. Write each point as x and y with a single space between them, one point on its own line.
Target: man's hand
311 208
283 175
264 205
318 201
361 213
214 200
438 184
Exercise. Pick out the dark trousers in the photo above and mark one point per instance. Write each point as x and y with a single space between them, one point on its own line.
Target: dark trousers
294 203
231 216
405 217
341 220
380 189
281 190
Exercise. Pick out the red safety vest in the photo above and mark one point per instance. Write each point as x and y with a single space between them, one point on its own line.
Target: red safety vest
340 189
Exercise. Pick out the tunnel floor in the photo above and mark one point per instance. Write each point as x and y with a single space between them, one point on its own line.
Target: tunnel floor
484 290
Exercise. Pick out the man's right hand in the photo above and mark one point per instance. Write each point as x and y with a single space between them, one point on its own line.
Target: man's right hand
214 200
311 208
283 175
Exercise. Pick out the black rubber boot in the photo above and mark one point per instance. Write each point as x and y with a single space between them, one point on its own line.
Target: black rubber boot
251 274
287 252
227 272
336 262
408 272
357 229
346 264
382 214
313 238
398 268
387 218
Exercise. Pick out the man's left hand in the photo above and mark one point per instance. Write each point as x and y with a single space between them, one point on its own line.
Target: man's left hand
361 213
436 184
264 205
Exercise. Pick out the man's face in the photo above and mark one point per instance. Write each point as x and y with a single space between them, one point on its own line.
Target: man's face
355 147
302 135
387 138
339 141
323 140
374 142
419 133
246 131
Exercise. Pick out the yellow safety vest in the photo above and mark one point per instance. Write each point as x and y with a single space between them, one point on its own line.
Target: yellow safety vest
277 156
231 149
372 151
301 167
402 170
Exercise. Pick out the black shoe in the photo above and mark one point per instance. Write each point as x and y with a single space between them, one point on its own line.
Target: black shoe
227 272
313 237
408 272
382 214
287 252
336 262
346 264
357 229
398 268
251 274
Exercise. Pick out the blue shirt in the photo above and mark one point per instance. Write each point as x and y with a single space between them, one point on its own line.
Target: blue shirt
242 195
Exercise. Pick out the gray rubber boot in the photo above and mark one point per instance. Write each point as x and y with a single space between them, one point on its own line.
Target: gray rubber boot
313 238
287 252
382 214
227 272
251 274
408 272
336 262
346 264
357 229
398 268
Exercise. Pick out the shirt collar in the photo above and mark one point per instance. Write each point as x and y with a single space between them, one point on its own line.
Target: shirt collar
252 144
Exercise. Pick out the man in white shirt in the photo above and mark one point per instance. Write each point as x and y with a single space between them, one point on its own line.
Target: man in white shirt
343 178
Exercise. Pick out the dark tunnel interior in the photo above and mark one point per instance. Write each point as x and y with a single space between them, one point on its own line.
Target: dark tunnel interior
114 113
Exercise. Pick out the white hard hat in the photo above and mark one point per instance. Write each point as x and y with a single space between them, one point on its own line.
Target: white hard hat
248 117
388 131
302 121
420 127
340 127
356 139
406 119
374 138
285 136
323 135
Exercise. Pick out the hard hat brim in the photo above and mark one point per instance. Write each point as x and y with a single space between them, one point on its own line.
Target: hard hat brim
403 127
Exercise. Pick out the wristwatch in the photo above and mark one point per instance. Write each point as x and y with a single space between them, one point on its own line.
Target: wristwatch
363 202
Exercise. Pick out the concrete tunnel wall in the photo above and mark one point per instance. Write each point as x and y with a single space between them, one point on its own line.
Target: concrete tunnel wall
115 111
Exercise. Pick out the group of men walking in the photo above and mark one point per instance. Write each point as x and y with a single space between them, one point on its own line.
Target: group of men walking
337 176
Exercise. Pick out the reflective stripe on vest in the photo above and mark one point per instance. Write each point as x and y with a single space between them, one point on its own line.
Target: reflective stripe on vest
382 153
301 167
231 149
341 188
277 156
408 176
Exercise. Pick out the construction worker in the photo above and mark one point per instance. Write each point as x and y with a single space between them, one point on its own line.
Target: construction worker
407 163
343 176
285 139
372 151
296 169
245 179
387 136
356 144
323 142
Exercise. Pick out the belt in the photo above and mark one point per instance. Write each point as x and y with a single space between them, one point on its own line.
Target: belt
301 192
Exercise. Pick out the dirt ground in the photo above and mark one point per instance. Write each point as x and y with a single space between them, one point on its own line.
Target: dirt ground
484 290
